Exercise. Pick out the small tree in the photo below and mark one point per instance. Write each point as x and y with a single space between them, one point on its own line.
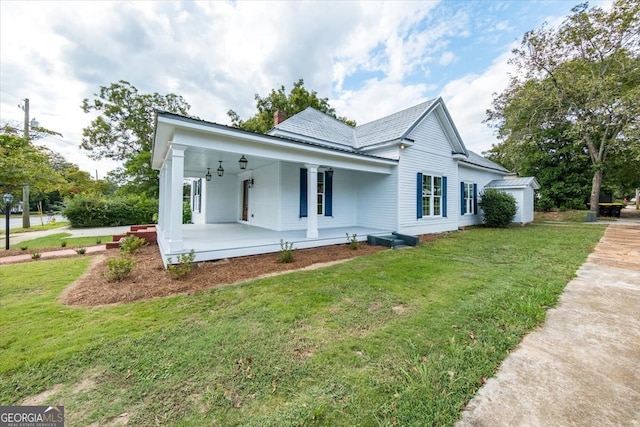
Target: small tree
499 208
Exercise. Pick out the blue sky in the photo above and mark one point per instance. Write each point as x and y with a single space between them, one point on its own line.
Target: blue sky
369 58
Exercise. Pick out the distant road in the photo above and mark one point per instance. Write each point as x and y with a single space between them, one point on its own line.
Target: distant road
16 221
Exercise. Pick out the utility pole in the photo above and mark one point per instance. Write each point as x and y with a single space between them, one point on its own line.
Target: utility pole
25 188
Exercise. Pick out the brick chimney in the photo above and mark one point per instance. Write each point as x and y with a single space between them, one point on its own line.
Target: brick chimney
279 117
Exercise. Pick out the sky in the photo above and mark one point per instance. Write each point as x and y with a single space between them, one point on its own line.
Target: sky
370 59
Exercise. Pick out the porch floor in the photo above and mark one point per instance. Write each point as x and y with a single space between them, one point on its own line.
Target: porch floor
227 240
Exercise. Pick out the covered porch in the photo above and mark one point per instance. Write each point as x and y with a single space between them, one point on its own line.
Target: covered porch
219 241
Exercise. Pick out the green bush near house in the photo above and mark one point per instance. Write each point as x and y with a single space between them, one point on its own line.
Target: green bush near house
186 213
89 210
499 208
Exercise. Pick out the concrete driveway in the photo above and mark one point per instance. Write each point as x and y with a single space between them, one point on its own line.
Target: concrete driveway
582 366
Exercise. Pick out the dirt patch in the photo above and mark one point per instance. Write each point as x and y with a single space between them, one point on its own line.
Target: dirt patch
150 280
42 398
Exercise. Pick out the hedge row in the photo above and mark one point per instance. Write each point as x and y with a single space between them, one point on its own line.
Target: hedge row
85 210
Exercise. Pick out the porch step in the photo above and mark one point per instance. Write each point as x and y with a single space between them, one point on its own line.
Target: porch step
146 232
390 241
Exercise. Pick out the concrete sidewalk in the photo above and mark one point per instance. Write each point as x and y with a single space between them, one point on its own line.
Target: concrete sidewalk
61 253
582 367
75 232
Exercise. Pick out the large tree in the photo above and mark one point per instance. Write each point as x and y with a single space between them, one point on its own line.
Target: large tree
580 81
22 163
123 131
298 99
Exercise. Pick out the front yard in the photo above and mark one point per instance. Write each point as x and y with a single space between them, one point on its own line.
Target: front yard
401 337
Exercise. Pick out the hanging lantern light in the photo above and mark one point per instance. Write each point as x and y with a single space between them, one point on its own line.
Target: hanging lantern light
220 169
243 162
208 175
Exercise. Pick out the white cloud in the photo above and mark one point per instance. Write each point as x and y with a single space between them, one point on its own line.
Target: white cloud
447 58
468 99
369 58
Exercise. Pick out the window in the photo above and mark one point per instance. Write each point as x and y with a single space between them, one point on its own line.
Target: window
324 194
468 198
431 195
320 193
196 204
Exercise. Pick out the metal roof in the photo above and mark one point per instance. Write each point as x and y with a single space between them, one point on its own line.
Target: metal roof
514 183
478 160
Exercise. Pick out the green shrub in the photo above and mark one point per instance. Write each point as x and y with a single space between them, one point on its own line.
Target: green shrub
35 255
186 213
353 241
285 255
183 267
90 210
131 245
81 251
63 244
119 268
499 208
24 247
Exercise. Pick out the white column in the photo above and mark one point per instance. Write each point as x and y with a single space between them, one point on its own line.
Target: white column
312 201
166 204
161 198
175 200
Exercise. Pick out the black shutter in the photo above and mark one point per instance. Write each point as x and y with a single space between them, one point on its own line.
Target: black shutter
303 192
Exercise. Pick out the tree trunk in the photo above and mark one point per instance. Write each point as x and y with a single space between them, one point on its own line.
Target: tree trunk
25 207
595 191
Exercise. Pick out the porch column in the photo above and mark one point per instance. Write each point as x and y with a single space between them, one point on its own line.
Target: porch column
312 202
161 199
175 199
166 201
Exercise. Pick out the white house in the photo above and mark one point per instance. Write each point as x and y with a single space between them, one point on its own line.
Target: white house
312 179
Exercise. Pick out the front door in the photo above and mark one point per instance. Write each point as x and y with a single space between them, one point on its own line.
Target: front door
245 200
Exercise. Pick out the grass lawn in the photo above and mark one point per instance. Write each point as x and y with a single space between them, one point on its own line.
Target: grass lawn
401 337
50 226
54 241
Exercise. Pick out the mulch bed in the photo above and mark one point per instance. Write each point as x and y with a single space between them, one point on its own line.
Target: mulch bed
150 280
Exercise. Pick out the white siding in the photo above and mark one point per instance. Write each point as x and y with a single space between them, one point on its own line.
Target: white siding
344 199
377 200
264 197
430 154
220 199
476 176
524 200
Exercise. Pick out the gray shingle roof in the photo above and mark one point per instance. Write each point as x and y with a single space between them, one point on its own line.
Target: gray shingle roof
514 183
478 160
390 127
311 122
314 124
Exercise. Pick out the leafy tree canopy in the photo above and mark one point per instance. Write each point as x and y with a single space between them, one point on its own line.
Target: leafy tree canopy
576 88
298 99
22 163
123 131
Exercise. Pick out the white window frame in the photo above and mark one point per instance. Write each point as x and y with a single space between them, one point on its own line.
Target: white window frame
320 200
196 204
431 202
469 205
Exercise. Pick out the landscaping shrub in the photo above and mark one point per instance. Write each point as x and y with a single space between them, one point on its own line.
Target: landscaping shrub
119 268
89 210
285 255
131 245
184 266
499 208
353 241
